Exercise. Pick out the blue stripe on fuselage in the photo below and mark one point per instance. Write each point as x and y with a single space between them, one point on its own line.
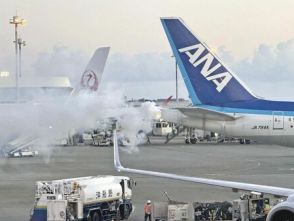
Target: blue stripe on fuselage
259 106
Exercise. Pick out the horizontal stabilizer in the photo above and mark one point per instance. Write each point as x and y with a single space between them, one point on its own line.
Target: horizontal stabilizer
202 113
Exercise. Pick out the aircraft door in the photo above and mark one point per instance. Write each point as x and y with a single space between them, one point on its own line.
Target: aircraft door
278 120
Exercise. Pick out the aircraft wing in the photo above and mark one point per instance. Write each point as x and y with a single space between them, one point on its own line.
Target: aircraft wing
235 186
203 113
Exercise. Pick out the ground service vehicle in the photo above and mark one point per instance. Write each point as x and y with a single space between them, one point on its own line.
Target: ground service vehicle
161 128
102 140
253 207
93 198
166 211
23 153
249 207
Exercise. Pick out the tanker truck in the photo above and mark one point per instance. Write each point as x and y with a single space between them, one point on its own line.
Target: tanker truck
93 198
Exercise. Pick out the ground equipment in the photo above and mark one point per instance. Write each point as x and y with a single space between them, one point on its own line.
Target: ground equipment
93 198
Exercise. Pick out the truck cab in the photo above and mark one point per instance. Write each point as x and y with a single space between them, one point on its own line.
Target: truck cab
126 208
161 128
253 206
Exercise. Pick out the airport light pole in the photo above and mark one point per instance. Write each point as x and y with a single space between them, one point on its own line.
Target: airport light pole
16 21
176 68
20 44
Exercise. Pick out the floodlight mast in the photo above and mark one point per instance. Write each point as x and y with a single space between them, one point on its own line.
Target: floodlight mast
20 44
16 21
176 69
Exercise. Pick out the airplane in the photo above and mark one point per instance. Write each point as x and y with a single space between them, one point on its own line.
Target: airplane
221 102
92 75
284 211
29 114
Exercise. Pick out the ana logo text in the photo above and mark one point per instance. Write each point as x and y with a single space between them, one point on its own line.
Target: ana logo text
220 79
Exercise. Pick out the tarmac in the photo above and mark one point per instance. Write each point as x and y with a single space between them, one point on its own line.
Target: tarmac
254 163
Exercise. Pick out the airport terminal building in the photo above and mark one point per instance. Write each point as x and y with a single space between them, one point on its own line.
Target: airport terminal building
33 88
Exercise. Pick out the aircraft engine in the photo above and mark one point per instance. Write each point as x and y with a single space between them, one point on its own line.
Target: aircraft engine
283 211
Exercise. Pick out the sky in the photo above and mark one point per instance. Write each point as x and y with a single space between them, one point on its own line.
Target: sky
255 39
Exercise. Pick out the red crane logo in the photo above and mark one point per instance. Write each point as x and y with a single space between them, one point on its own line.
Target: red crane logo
89 80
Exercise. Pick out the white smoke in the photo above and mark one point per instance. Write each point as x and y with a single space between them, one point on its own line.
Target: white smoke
133 120
60 61
53 118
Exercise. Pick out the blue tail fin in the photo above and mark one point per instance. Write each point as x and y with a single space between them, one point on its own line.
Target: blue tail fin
206 77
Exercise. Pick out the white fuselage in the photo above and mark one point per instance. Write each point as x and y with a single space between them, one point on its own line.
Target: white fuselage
274 129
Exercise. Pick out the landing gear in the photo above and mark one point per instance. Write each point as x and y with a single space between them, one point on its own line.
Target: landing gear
245 141
190 140
193 140
187 140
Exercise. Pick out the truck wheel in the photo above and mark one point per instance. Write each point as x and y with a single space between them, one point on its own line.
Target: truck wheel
95 217
118 215
127 211
193 140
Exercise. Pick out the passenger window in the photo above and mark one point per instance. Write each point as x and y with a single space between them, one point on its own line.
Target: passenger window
104 193
110 193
